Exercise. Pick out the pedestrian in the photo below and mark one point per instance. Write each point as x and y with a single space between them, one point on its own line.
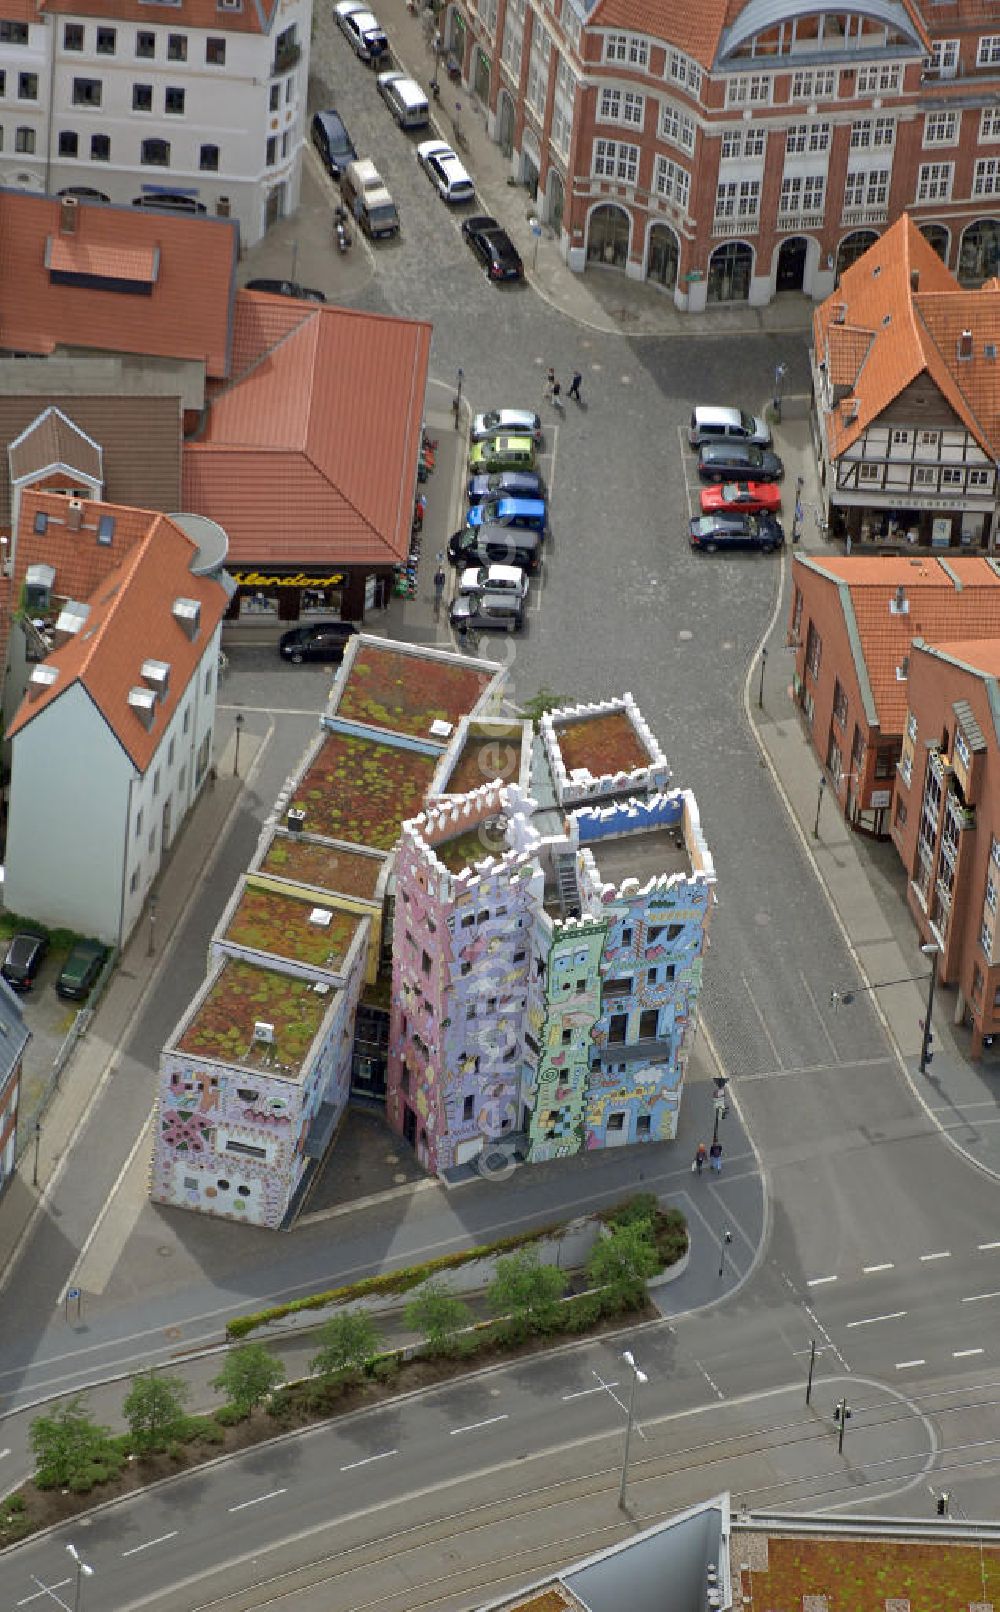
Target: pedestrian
439 581
574 386
699 1159
557 402
715 1154
550 381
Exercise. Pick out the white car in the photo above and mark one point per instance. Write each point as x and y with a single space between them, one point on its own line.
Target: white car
508 580
509 422
362 30
445 172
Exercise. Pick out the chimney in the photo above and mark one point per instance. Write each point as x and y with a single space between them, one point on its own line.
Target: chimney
69 208
74 517
839 313
914 280
965 344
899 605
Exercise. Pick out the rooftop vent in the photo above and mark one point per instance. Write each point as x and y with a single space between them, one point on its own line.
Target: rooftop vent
156 675
839 314
914 279
965 345
69 212
71 619
990 349
143 702
187 614
74 516
851 410
296 820
903 669
321 988
41 678
441 729
263 1033
321 917
899 604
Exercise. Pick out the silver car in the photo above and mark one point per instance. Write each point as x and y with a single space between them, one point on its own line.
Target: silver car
510 422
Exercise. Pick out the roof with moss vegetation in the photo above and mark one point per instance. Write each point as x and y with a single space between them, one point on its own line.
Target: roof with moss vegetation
324 867
243 995
292 926
405 693
361 791
862 1575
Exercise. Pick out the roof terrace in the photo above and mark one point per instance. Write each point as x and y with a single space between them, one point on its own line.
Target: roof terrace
290 926
242 996
643 855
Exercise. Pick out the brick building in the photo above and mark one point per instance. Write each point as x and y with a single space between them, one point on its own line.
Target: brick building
851 625
730 151
946 818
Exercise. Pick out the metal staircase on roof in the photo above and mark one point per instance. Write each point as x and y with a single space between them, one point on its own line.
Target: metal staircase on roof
564 867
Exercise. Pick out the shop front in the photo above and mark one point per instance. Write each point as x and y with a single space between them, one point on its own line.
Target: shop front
291 594
919 523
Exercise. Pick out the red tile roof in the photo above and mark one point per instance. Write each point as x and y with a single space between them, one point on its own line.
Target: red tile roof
956 598
68 255
694 29
187 314
131 620
311 455
980 655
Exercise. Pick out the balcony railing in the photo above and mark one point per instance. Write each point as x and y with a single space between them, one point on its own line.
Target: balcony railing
792 222
736 226
864 215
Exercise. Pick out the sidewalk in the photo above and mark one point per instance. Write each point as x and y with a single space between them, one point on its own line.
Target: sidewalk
864 878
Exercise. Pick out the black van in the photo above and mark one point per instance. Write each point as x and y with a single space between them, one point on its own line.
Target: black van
332 141
738 461
496 545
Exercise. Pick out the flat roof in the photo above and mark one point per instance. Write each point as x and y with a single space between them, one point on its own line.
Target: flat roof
292 927
242 995
471 845
602 745
641 856
322 865
405 692
362 791
485 757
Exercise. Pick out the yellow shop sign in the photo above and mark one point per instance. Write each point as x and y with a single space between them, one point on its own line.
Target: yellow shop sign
274 579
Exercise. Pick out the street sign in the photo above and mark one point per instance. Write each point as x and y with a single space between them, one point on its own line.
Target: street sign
73 1293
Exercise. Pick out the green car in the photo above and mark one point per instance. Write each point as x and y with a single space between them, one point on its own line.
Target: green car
502 453
81 969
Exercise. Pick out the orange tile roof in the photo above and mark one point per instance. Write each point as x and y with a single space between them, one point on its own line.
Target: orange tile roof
694 29
980 655
848 348
71 256
262 321
79 561
187 314
130 621
939 611
311 455
944 317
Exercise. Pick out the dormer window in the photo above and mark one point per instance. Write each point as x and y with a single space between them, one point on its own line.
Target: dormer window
143 702
39 581
42 678
105 530
156 675
187 614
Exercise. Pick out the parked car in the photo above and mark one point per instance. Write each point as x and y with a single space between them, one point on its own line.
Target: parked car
502 452
727 425
320 640
81 969
498 612
444 171
518 422
404 98
287 288
495 545
23 960
738 461
530 514
722 531
361 29
493 247
487 580
505 484
332 141
366 196
745 497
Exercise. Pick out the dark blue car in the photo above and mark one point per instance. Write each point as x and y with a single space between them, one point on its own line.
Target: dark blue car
505 484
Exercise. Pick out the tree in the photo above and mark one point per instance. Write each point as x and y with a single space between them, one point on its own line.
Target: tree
526 1294
65 1444
248 1376
348 1342
154 1409
625 1260
439 1315
546 699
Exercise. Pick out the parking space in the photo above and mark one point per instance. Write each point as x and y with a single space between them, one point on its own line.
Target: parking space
50 1020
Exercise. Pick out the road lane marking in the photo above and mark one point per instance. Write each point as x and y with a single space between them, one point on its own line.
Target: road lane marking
974 1298
472 1426
871 1320
381 1456
160 1540
820 1281
48 1590
887 1265
581 1393
271 1495
3 1453
944 1254
717 1391
983 1246
963 1354
901 1365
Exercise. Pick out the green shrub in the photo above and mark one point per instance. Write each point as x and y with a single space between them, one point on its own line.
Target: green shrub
580 1314
14 1503
81 1483
230 1415
243 1324
642 1207
386 1368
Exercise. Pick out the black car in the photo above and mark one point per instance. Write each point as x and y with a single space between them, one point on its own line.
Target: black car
496 545
505 484
24 959
287 288
80 970
493 247
735 531
738 461
320 640
332 141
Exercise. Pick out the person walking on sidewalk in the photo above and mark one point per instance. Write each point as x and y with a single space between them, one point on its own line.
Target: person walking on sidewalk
557 402
440 578
699 1159
574 386
550 381
715 1155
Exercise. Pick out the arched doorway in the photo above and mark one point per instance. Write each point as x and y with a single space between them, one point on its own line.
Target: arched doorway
937 236
854 246
790 273
607 236
505 123
663 257
729 271
555 198
979 254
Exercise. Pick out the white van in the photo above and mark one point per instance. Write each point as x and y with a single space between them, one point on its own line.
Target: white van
367 197
405 100
727 425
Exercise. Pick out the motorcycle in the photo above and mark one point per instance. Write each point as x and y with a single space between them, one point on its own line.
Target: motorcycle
340 227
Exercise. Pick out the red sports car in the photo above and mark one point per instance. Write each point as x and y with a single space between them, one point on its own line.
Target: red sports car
745 497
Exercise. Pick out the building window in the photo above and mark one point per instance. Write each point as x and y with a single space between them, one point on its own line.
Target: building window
743 143
925 476
133 883
145 45
537 87
468 1108
24 141
869 473
962 750
883 80
13 33
620 106
69 144
989 51
138 823
797 612
867 187
275 98
986 180
737 199
839 704
950 477
613 159
814 86
672 182
814 650
425 962
86 92
801 193
142 97
873 134
513 38
173 101
73 36
749 89
215 52
991 893
804 138
27 86
682 70
941 129
986 937
676 127
177 48
989 123
979 478
106 41
900 812
155 153
944 57
271 155
152 839
627 48
562 106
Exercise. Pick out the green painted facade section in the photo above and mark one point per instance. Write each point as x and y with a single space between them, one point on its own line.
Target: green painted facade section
572 1007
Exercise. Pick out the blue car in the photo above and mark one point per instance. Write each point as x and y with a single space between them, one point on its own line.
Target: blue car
505 484
530 514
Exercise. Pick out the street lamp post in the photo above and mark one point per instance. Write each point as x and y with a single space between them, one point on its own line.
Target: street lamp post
780 371
38 1143
819 802
727 1238
83 1570
638 1376
236 753
760 691
457 403
933 951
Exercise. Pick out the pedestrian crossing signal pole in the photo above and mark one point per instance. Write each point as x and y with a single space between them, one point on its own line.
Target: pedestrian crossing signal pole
842 1414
